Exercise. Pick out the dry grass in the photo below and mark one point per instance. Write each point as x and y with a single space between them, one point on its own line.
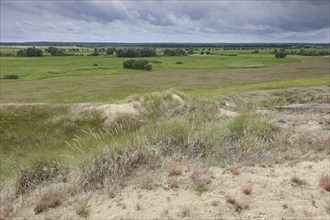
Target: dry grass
185 211
325 182
50 199
6 209
174 169
138 207
200 180
298 181
238 206
82 208
235 170
173 184
247 189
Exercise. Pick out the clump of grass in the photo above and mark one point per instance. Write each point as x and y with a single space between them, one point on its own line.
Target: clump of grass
174 136
325 182
173 184
123 123
6 209
235 170
50 199
82 208
298 181
40 171
200 180
148 183
247 189
138 207
174 169
185 211
10 76
110 163
178 62
238 206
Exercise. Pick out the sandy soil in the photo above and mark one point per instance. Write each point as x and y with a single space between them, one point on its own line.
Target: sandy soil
275 195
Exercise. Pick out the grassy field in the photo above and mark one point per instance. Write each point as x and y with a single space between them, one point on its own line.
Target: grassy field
57 127
102 78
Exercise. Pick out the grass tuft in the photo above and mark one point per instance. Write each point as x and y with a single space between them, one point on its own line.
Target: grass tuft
50 199
298 181
325 182
82 208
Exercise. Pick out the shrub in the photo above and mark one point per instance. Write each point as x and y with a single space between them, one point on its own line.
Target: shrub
137 64
95 64
50 199
325 182
11 76
179 62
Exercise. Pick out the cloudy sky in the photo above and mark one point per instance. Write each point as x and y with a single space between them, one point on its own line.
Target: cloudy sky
165 21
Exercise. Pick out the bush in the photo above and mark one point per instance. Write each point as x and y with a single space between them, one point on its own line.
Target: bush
11 76
179 62
137 64
29 52
280 55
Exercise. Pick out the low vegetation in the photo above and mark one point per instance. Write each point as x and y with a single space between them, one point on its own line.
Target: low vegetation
137 64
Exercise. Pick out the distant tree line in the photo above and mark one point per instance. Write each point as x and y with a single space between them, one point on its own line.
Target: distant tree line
137 64
133 52
303 52
174 52
54 51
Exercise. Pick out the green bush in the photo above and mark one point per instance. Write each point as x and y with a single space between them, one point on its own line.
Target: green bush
137 64
11 76
179 62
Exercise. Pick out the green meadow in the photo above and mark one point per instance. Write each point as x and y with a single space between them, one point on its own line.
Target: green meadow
70 79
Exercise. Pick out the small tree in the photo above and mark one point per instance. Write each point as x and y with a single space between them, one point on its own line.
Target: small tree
281 54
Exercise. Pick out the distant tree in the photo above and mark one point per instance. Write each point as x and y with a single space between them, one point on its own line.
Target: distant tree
207 53
174 52
281 54
55 51
95 52
110 51
29 52
202 52
255 51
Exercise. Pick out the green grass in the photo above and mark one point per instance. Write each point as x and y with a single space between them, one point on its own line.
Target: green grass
32 68
75 79
264 86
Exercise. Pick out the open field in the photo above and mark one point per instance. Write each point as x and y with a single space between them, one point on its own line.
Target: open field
216 137
75 79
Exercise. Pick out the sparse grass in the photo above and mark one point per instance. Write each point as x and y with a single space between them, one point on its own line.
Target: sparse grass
235 170
138 207
185 211
298 181
174 169
82 208
173 184
49 199
238 207
200 180
325 182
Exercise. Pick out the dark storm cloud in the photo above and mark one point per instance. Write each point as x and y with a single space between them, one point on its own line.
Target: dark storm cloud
182 21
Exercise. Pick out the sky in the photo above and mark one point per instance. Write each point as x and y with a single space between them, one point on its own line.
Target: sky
196 21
